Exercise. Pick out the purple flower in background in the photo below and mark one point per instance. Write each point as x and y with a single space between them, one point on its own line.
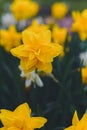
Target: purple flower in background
66 22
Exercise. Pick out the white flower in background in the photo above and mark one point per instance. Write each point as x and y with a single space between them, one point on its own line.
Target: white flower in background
40 19
31 77
21 24
8 19
83 58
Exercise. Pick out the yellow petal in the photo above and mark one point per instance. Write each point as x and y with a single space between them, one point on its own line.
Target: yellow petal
48 52
45 37
23 111
10 119
36 122
13 128
82 125
47 67
84 118
7 117
12 28
20 51
29 37
28 65
83 36
3 128
75 119
70 128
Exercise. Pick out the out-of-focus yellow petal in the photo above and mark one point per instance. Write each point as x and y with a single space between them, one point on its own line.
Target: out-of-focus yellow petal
59 10
36 27
84 13
9 38
45 37
47 67
28 37
83 36
79 24
84 75
3 128
59 35
75 15
24 9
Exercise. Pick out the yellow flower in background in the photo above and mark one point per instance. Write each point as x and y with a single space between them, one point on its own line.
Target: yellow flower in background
78 124
36 27
59 35
24 9
75 15
20 119
37 51
9 38
80 24
84 75
59 10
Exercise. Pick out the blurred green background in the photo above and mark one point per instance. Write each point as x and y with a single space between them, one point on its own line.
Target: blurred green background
73 4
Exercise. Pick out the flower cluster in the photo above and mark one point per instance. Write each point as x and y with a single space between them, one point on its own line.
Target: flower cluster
52 52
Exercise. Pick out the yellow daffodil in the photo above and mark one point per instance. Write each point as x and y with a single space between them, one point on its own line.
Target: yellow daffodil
59 35
9 38
36 27
84 75
20 119
37 51
24 9
75 15
78 124
59 10
80 24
